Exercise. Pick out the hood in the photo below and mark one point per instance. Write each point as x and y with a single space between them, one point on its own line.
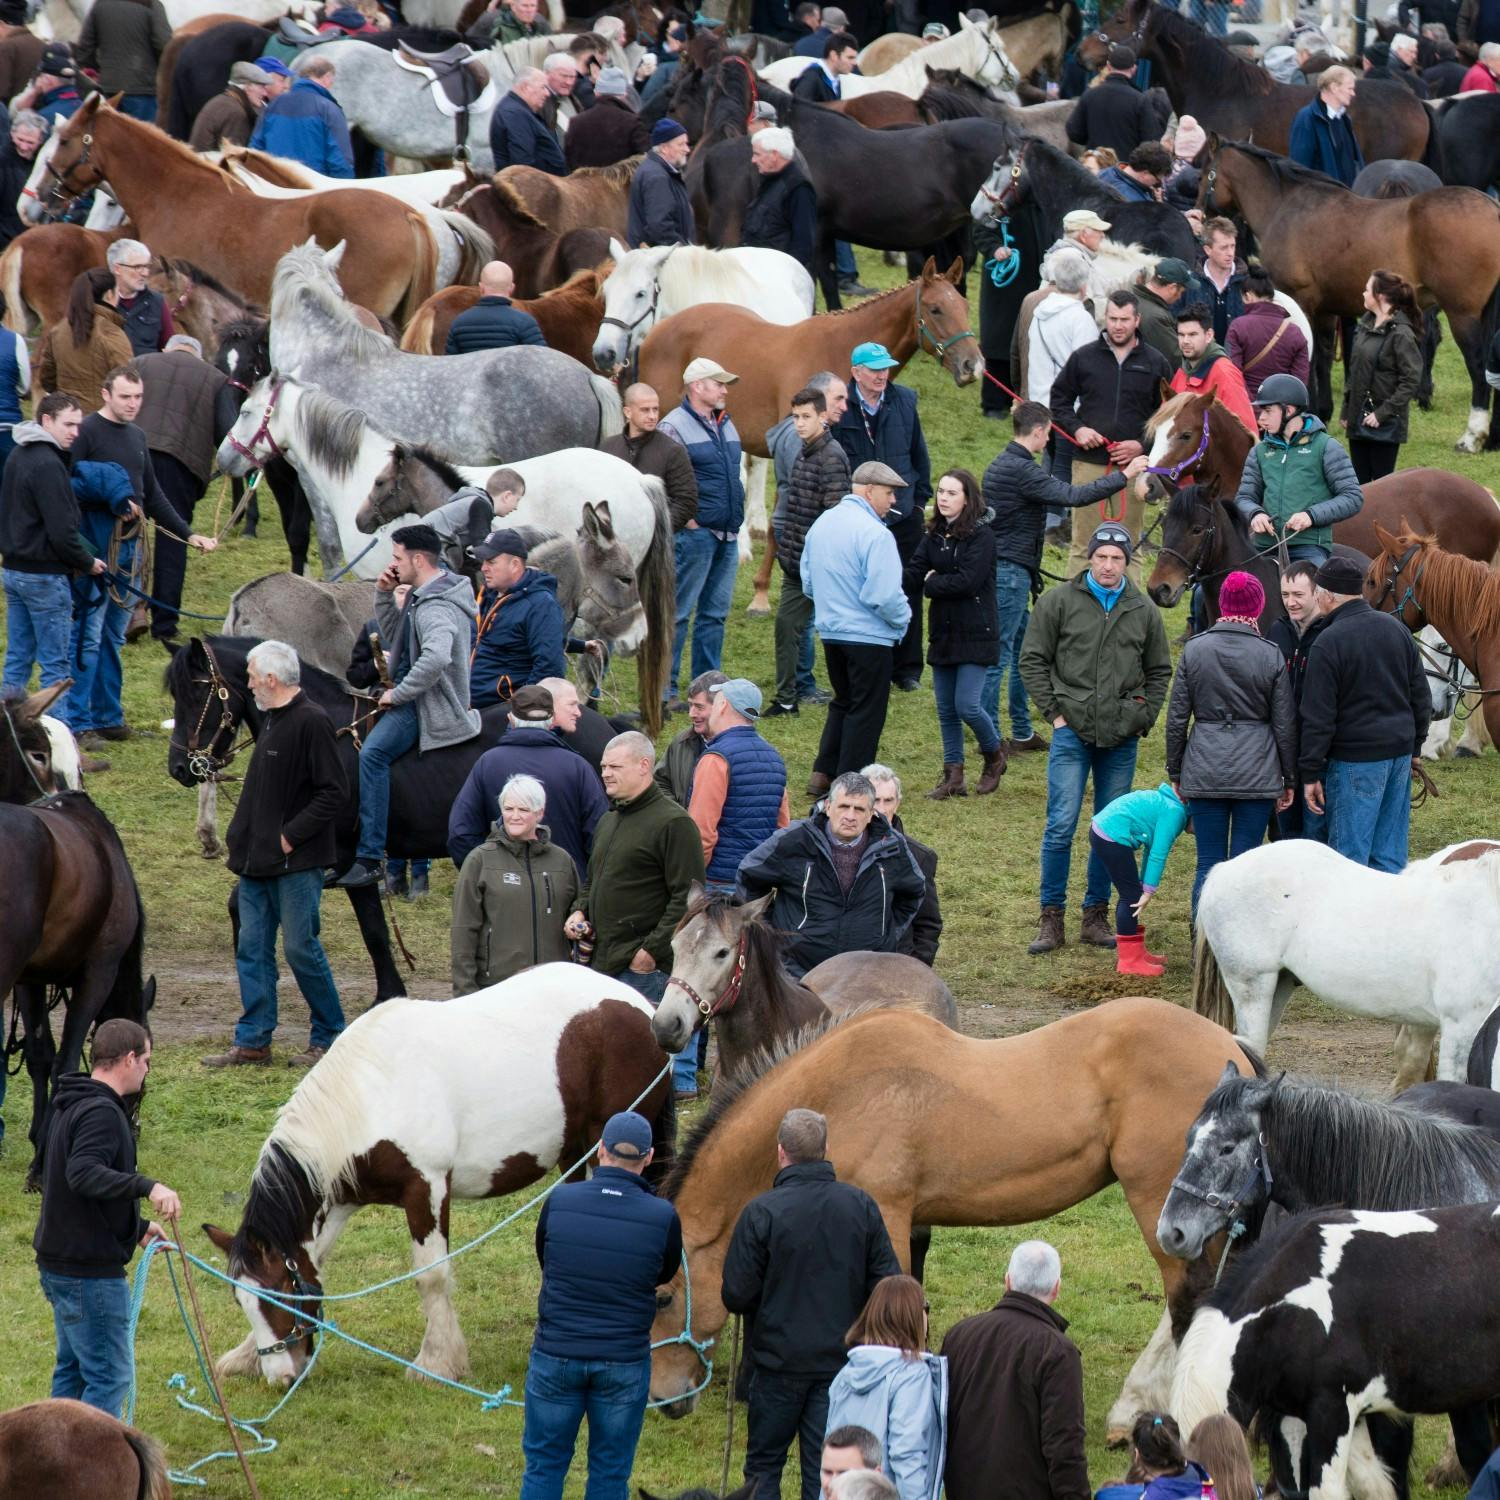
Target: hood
77 1089
870 1365
1166 791
1188 1485
1057 305
450 588
33 432
1210 356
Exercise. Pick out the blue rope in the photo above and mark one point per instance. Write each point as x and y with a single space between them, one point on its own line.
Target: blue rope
1003 272
359 557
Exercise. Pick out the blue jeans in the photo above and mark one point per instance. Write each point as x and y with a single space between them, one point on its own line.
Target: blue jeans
139 107
91 1315
1070 762
1369 810
38 627
705 584
685 1063
396 868
94 700
958 691
843 260
290 902
396 733
1013 599
1226 827
559 1394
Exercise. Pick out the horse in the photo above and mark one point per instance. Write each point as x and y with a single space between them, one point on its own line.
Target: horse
320 620
416 1105
429 189
540 257
1469 128
68 1451
1296 912
568 316
972 1133
1445 242
194 66
727 968
38 269
495 407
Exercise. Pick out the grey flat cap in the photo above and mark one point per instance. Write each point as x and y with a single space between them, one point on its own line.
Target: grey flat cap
248 72
876 472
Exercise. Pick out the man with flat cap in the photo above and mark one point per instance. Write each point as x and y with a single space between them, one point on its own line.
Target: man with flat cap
604 1245
661 213
1160 295
522 633
230 118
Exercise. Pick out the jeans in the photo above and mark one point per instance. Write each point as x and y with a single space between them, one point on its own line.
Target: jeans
94 701
685 1063
958 690
794 648
1226 827
91 1315
290 902
559 1394
1070 762
139 107
1013 600
843 260
38 628
1369 810
1119 860
860 676
396 868
705 584
783 1407
396 733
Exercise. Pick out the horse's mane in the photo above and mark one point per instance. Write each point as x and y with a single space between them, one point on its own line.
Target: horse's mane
184 153
1288 173
581 286
710 275
1170 408
1213 64
331 430
868 302
951 95
281 1203
439 466
763 943
199 277
514 202
618 174
1455 586
1180 508
303 274
178 673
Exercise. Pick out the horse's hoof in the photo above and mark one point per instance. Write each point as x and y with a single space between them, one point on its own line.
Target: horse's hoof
1117 1437
757 611
1462 754
1447 1474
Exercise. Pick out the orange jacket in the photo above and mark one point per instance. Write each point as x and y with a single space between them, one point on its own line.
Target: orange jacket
1224 378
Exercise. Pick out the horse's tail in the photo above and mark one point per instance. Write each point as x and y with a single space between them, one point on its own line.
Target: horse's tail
418 336
423 281
476 246
1432 152
1211 997
152 1457
1204 1369
657 580
10 288
611 413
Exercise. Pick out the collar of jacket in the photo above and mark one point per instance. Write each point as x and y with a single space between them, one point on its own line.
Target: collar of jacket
805 1171
820 442
530 734
1130 595
877 831
493 300
1311 427
864 505
1211 356
1346 612
518 847
652 795
1104 339
312 83
713 424
1031 1307
619 1176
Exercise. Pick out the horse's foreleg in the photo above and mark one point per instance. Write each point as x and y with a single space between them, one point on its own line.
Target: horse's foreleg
1148 1386
241 1360
1332 1423
1468 334
1413 1056
207 826
443 1350
1456 1039
760 602
368 912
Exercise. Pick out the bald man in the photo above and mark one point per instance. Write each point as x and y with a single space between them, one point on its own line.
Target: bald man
654 453
494 322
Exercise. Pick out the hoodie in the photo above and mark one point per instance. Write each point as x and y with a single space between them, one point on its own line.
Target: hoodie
430 659
1145 820
1059 325
904 1402
39 516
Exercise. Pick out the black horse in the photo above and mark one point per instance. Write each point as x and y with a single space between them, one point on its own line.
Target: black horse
201 70
1470 132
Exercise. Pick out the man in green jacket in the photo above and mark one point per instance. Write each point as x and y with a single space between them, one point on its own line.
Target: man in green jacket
647 854
1096 663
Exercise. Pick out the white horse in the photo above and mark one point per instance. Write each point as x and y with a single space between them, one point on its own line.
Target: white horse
104 213
1448 680
416 189
1416 948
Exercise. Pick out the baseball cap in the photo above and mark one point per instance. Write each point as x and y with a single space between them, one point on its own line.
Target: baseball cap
511 543
274 66
740 694
873 356
57 59
1112 534
1085 218
1173 272
626 1134
248 72
875 472
1340 575
765 110
530 702
707 369
936 30
835 19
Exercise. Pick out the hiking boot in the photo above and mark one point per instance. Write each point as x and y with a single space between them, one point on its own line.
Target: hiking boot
91 765
418 887
1155 958
113 732
854 287
1049 932
140 623
994 769
1096 929
776 710
818 784
1027 746
395 885
361 872
952 784
816 698
239 1057
1130 956
307 1059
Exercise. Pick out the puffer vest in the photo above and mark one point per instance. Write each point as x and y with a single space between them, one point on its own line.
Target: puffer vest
177 415
143 322
757 781
1292 480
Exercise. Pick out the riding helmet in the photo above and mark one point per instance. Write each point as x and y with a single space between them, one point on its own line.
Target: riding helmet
1282 390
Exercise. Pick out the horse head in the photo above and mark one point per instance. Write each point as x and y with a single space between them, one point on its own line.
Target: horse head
387 498
1391 583
25 750
942 318
74 167
1179 431
631 294
244 353
709 955
1215 189
610 608
1003 189
250 443
1187 541
994 69
208 707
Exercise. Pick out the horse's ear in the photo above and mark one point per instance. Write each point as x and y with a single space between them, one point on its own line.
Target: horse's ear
39 702
929 271
170 646
1213 487
955 272
697 893
1229 1074
221 1239
331 258
1166 391
1388 542
757 908
617 250
964 22
114 100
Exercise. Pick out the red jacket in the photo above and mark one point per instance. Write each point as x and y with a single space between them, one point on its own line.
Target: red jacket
1219 375
1479 77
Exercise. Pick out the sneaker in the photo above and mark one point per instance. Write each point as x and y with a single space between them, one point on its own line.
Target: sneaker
91 765
776 710
361 872
817 698
307 1059
113 732
239 1057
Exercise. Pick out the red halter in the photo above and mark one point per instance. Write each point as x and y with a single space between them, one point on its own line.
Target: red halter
727 997
263 432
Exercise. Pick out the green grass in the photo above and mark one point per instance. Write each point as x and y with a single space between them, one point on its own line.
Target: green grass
360 1429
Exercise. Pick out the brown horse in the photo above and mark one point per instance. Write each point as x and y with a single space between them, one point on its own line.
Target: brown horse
590 198
540 257
182 205
201 305
774 362
971 1133
39 267
1320 242
68 1451
568 316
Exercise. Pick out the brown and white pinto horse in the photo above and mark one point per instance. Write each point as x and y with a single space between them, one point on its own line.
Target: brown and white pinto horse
416 1105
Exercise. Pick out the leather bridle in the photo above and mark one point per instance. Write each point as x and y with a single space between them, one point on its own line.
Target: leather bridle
927 339
203 764
62 192
726 998
650 311
303 1290
1394 578
1005 199
261 434
1236 1201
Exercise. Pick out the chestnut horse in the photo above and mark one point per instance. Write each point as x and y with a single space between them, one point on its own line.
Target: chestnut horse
590 198
68 1451
182 205
39 267
568 316
970 1133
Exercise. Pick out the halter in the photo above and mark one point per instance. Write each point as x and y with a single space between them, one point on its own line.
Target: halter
203 763
927 338
43 795
1209 178
302 1289
1259 1171
1194 565
1410 596
1175 471
650 311
1005 199
62 193
726 998
263 432
1009 74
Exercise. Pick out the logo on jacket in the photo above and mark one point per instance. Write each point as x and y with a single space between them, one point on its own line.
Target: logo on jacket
511 878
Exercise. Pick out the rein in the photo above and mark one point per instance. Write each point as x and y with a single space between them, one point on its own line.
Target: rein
726 998
1259 1172
263 432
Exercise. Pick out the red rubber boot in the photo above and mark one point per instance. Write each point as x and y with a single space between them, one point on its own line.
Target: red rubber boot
1151 958
1130 956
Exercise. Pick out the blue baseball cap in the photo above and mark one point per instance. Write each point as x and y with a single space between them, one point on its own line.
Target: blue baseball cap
873 357
740 694
627 1134
274 65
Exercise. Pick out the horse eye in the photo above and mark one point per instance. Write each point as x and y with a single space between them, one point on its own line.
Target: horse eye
1227 1150
623 578
663 1300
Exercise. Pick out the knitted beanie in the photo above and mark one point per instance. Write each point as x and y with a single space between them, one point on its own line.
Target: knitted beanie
1241 596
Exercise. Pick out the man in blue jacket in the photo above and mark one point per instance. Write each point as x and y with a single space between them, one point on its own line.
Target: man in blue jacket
493 322
521 626
1323 134
605 1245
307 125
518 135
660 212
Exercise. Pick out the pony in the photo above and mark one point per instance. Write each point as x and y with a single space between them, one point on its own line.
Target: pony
201 304
319 620
542 258
495 407
567 316
1296 912
68 1451
38 269
416 1105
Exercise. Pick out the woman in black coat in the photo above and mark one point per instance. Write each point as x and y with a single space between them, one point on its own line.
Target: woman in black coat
1385 369
954 565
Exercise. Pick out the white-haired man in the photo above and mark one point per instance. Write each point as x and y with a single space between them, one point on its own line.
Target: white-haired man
1015 1392
783 215
518 134
922 937
281 839
145 314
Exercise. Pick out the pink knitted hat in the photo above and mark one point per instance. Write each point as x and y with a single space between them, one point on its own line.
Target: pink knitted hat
1242 596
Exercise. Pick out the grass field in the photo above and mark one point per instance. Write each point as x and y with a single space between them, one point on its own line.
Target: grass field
359 1429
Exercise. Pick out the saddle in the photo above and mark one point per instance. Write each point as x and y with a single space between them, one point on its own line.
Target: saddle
459 77
296 34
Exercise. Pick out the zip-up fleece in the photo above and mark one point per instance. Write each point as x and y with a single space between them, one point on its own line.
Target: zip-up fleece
430 662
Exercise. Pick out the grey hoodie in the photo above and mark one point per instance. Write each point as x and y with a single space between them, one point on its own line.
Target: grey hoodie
439 621
904 1402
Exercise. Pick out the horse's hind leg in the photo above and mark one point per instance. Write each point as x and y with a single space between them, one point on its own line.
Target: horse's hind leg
365 899
921 1243
1286 982
1148 1386
1413 1056
1255 1012
39 1051
1432 336
1468 334
443 1350
1467 1449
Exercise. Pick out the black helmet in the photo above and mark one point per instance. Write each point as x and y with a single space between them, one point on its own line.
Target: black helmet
1282 390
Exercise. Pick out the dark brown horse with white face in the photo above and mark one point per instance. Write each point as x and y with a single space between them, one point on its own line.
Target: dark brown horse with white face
68 1451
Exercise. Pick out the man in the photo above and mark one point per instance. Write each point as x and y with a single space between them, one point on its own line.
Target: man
707 547
427 705
1020 492
512 21
1322 135
1363 717
54 91
89 1225
1445 76
1139 178
604 1245
306 124
27 132
521 627
679 761
609 130
230 118
1096 663
882 425
660 211
123 40
281 76
518 135
922 937
739 788
1156 301
1015 1392
282 838
1116 113
1083 232
647 854
823 82
563 82
145 314
650 451
1218 282
1294 632
803 1259
810 30
1102 399
583 729
1404 64
783 214
843 879
851 570
1206 367
1485 73
530 747
1263 341
1060 322
1479 21
188 407
493 322
1298 480
819 479
845 1450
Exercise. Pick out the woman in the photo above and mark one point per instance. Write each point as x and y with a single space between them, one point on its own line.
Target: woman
77 352
1218 1445
893 1388
513 895
1238 764
955 566
1385 368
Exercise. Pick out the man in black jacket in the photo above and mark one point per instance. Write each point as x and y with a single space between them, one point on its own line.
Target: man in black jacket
783 214
921 940
1364 714
90 1224
651 452
803 1261
518 135
1115 113
493 322
660 211
281 839
823 82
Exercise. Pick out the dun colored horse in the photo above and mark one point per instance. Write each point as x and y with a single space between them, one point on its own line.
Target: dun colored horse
772 362
68 1451
590 198
568 316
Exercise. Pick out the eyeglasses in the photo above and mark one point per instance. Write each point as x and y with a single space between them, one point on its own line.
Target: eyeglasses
137 265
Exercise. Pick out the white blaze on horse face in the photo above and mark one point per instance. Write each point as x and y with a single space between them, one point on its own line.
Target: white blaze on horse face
279 1368
1160 443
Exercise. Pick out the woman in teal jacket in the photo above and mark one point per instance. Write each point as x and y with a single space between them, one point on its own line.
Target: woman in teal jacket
1138 820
